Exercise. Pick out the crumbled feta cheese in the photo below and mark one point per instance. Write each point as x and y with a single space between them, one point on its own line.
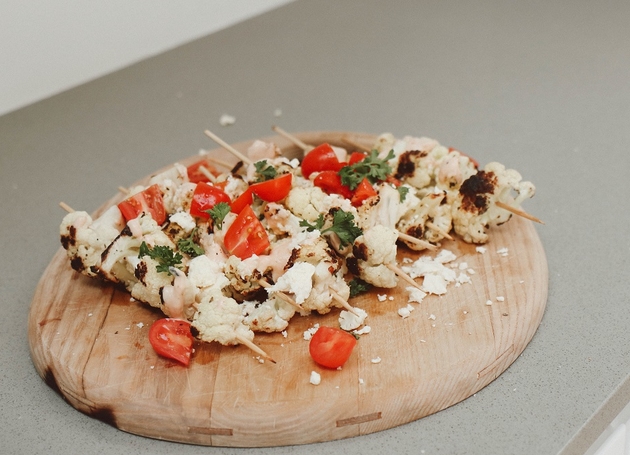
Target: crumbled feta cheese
381 297
432 317
308 333
363 330
140 325
481 249
488 302
226 120
376 360
390 298
471 271
361 381
463 278
405 312
415 294
463 265
284 333
350 321
445 256
434 284
315 378
500 298
502 252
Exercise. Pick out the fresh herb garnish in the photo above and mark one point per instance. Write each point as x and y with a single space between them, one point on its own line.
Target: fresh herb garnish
265 171
164 255
358 286
189 247
342 224
403 190
371 167
218 213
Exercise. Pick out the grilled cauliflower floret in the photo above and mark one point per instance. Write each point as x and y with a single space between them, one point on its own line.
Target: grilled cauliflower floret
371 253
220 318
281 221
297 280
386 208
305 203
320 298
431 210
149 282
474 208
272 315
85 239
179 296
453 169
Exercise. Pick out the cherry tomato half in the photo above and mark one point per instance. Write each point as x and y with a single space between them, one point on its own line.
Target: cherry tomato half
356 157
242 201
321 158
331 347
362 192
205 197
246 236
330 182
171 338
195 175
147 201
273 190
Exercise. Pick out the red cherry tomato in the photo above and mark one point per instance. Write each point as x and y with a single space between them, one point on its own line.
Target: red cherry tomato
356 157
244 200
362 192
330 347
273 190
330 182
321 158
171 338
147 201
195 175
204 198
246 236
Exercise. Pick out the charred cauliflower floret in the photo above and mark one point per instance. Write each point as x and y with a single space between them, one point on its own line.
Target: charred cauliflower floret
304 202
272 315
371 253
474 208
85 239
428 220
220 318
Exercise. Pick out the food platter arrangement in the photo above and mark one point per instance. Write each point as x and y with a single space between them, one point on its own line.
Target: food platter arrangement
300 288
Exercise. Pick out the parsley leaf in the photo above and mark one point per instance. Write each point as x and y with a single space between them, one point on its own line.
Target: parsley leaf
218 213
189 247
164 255
342 225
371 167
403 190
358 286
265 171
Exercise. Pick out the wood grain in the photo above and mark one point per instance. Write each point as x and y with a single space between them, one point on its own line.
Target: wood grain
89 342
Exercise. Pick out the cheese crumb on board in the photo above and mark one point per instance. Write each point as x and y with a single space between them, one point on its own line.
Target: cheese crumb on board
381 297
363 330
488 302
500 298
308 333
315 378
350 321
415 294
502 252
481 249
376 360
405 312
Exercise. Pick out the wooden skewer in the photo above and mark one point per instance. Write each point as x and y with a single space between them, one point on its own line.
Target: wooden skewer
419 242
439 230
398 271
518 212
264 283
244 341
342 302
225 164
356 145
66 207
292 138
204 170
228 147
123 190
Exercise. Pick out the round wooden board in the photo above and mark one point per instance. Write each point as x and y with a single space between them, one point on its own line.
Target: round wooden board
89 342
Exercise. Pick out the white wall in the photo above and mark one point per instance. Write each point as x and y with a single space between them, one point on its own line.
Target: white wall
49 46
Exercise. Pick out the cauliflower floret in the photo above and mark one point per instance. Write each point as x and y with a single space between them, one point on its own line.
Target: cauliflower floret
306 203
386 209
179 297
272 315
418 166
431 210
149 282
85 239
321 298
453 170
371 253
351 321
280 220
260 150
297 280
474 207
220 318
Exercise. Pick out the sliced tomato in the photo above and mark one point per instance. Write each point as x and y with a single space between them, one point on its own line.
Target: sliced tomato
472 160
330 182
205 197
171 338
244 200
362 192
246 236
195 175
356 157
321 158
273 190
147 201
331 347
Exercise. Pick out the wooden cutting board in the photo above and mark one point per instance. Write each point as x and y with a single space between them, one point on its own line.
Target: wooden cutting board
89 342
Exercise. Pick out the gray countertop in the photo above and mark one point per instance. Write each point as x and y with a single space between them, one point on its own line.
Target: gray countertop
542 87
